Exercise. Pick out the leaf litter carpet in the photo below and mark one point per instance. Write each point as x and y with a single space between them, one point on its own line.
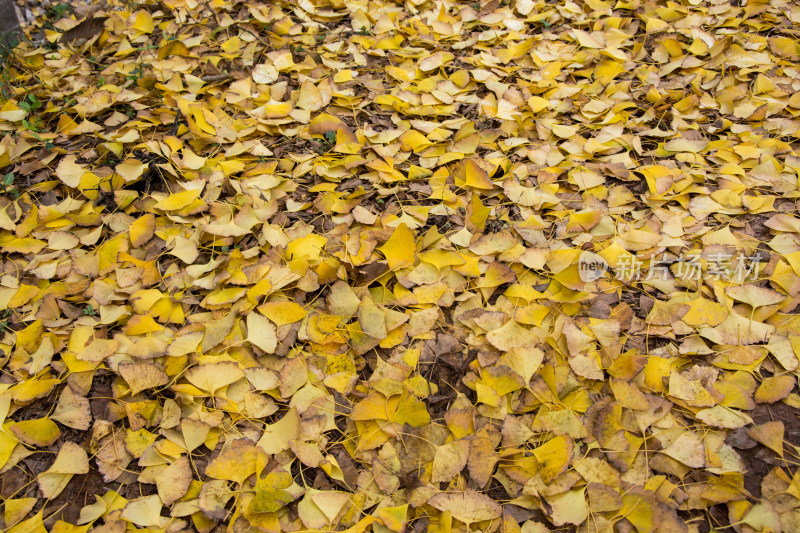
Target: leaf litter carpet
413 266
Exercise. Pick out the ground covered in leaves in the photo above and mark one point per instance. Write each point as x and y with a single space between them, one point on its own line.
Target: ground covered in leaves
384 266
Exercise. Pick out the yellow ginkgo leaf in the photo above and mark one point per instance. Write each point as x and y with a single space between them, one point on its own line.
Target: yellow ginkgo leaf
261 332
475 177
688 449
36 432
775 388
145 512
71 460
569 507
214 376
276 436
178 200
511 335
130 169
468 506
70 172
553 457
61 240
141 376
142 229
270 496
283 313
33 524
400 249
73 410
192 160
17 508
174 481
237 463
770 434
449 460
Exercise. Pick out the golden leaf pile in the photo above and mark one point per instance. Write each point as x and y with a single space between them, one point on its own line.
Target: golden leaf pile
328 265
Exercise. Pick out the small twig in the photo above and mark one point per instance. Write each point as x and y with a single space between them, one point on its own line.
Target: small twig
176 124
